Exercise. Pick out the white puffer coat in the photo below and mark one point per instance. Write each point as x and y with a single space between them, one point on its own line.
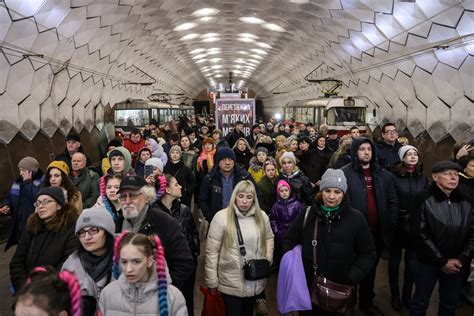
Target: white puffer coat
224 267
121 298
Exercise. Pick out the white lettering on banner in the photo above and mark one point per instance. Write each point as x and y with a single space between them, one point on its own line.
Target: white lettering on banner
225 119
226 130
245 118
228 112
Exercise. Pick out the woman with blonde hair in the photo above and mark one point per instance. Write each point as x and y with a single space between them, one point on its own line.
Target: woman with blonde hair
242 222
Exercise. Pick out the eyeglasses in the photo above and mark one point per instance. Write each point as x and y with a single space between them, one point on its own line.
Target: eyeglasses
391 132
132 196
44 203
91 231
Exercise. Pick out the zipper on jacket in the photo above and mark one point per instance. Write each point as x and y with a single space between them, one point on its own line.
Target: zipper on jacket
135 300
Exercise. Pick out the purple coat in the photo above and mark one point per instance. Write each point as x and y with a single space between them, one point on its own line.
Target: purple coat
282 215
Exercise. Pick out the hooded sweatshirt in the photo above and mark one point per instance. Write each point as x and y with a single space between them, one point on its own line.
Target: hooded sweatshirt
127 167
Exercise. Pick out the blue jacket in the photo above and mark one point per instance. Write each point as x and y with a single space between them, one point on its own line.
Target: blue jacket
387 155
210 196
20 199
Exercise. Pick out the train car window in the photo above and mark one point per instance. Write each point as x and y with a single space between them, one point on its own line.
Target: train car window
346 116
132 118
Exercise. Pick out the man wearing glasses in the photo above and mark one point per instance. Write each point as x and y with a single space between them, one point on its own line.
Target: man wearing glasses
138 216
387 148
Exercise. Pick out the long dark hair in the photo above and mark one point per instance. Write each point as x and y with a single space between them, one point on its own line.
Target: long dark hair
66 183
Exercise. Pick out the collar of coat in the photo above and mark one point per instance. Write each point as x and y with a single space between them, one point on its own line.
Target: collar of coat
439 195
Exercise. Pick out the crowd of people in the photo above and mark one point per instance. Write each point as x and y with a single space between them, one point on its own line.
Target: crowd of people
122 237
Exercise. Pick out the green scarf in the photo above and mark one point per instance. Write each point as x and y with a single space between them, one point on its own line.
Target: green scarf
329 210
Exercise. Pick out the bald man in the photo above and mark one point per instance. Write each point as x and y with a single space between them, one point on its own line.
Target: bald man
85 179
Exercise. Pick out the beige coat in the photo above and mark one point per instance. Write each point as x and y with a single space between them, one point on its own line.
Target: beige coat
224 267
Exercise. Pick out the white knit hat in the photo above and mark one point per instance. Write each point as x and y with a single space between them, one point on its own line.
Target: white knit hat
288 154
403 150
155 162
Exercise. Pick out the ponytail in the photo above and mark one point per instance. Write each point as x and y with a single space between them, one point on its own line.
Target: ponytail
162 189
74 291
116 266
162 279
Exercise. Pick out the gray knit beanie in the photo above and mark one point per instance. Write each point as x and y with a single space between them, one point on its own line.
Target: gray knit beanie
334 178
29 163
96 217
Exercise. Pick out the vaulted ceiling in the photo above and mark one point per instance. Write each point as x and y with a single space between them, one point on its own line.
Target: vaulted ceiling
61 61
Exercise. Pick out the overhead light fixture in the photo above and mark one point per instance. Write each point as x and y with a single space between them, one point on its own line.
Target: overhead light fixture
214 49
216 67
205 11
218 76
259 51
273 27
210 39
199 56
246 40
185 26
213 52
257 56
264 45
242 52
248 35
201 61
189 37
215 60
251 20
207 19
253 61
197 50
207 35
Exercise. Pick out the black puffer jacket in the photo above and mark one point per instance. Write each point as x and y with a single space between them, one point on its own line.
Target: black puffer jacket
182 214
383 186
299 184
408 185
311 163
387 155
443 227
346 249
177 253
185 178
466 186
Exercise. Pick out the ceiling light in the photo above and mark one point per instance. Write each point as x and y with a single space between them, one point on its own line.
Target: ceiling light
253 61
189 37
257 56
207 19
214 48
215 60
273 27
246 40
248 35
218 76
205 11
185 26
251 20
264 45
236 71
210 39
237 66
216 67
259 51
207 35
242 52
197 50
199 56
213 52
201 61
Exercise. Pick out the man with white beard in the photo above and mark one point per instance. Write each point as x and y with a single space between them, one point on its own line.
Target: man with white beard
137 216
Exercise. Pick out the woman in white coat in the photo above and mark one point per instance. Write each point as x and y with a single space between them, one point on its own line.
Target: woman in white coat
224 270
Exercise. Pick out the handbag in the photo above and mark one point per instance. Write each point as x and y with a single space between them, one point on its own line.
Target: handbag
213 303
330 296
255 269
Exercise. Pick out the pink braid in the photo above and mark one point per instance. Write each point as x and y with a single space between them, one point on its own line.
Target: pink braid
162 279
161 191
102 185
74 291
115 268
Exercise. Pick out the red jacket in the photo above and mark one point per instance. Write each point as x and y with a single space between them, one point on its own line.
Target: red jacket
133 148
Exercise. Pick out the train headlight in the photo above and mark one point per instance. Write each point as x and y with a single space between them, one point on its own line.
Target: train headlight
277 116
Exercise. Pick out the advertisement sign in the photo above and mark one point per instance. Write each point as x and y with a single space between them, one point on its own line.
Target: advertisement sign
230 111
229 96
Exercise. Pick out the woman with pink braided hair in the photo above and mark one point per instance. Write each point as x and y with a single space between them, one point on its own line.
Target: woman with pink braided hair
143 285
49 293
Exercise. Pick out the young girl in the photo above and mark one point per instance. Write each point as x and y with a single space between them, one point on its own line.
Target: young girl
283 212
256 164
189 155
143 155
49 293
109 186
143 287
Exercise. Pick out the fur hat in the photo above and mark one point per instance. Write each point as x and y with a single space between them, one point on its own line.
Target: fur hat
403 150
29 163
59 164
55 192
96 217
334 178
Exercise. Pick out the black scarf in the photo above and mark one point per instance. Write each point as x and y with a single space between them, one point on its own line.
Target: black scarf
98 267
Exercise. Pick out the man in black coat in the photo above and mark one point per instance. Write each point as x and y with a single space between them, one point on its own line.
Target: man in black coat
252 138
137 216
388 146
372 192
217 186
73 145
236 133
443 229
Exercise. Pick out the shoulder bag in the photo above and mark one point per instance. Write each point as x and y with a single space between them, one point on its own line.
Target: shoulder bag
255 269
330 296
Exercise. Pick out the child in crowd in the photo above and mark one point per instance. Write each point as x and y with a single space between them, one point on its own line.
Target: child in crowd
283 212
143 285
143 155
256 164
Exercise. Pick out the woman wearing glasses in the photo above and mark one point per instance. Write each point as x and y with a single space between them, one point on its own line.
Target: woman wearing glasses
49 238
92 261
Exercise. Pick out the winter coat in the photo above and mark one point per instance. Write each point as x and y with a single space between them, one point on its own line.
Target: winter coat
283 214
242 158
300 186
20 199
325 154
190 160
256 170
121 298
185 178
182 214
333 144
387 155
466 186
210 196
266 186
87 182
140 168
134 148
442 226
177 253
66 157
383 187
224 268
233 136
251 139
221 143
407 185
47 247
345 249
311 163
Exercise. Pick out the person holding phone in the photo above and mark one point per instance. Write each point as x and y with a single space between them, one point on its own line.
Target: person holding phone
153 169
20 199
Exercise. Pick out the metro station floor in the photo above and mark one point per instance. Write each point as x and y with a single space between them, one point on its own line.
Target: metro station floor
382 299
